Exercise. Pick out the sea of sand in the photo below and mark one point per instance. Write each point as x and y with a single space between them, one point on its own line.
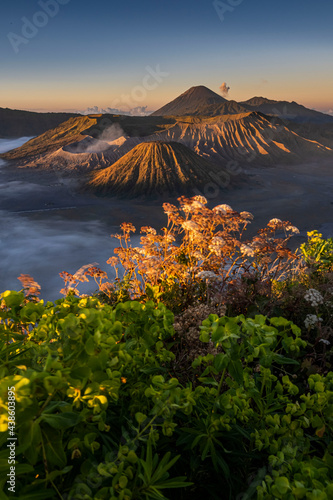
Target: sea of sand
47 226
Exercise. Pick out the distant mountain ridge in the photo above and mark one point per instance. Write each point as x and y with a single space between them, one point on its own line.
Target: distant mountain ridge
15 123
286 110
201 101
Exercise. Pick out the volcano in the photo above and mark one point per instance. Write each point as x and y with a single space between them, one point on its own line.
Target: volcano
155 168
199 101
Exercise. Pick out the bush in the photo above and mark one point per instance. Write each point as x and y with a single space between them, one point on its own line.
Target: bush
195 258
100 415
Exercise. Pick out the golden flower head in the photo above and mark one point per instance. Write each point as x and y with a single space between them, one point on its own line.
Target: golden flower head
223 209
190 225
200 199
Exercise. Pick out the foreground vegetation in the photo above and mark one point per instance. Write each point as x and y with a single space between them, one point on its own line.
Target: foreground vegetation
204 368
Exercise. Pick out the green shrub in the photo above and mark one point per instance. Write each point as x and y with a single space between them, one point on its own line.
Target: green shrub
318 252
99 414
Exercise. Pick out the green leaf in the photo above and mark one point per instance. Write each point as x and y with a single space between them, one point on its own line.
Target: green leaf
12 299
235 368
61 420
90 346
282 485
56 473
175 482
55 454
283 360
204 336
221 361
140 417
279 322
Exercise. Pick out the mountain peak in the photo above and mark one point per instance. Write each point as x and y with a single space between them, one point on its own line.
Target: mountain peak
202 91
194 101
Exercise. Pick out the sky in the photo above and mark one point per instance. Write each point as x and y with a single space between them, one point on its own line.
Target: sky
135 56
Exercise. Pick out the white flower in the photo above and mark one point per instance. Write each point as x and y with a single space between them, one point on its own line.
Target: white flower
197 255
246 215
223 209
190 225
216 245
312 320
324 341
274 222
197 204
206 275
139 250
187 207
314 297
169 238
247 250
200 199
292 229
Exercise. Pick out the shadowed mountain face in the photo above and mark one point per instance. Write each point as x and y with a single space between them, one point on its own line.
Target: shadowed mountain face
153 168
286 110
15 123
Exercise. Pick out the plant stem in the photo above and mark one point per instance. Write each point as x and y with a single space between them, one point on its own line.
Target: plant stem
220 384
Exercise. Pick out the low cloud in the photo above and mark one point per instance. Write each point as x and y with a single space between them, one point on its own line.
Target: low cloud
137 111
9 144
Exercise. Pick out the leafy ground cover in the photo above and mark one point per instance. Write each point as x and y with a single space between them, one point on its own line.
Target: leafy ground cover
204 368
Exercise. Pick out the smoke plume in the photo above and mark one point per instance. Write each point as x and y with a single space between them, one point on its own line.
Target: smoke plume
224 89
92 145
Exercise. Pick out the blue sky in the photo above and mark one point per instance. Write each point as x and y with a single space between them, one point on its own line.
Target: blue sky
102 53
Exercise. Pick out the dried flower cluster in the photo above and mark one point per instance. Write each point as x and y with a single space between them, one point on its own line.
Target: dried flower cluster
201 247
313 297
311 321
30 286
196 257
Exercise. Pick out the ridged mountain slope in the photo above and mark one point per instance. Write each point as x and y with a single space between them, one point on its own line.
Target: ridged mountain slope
153 168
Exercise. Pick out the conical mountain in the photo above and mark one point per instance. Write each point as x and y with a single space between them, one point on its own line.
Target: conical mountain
153 168
199 101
